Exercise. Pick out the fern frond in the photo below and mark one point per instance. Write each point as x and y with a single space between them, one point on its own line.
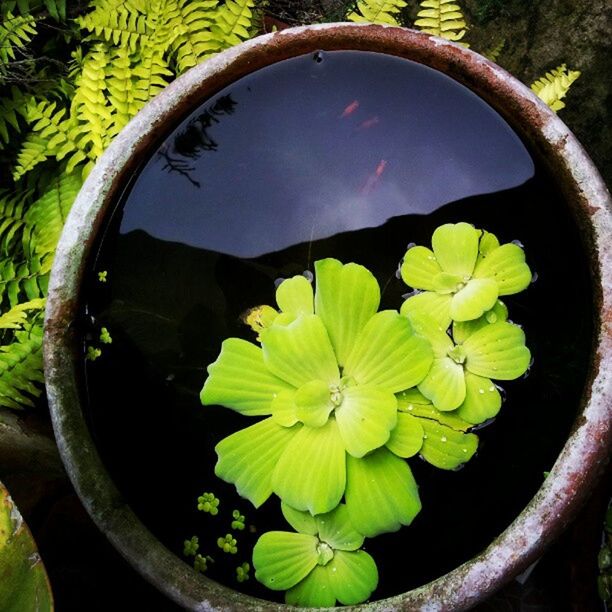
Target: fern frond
494 52
233 21
12 105
48 214
21 369
13 226
442 18
56 8
377 11
116 22
554 85
192 22
33 151
121 88
26 280
15 33
17 316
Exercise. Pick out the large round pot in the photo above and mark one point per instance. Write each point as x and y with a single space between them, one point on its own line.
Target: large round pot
587 449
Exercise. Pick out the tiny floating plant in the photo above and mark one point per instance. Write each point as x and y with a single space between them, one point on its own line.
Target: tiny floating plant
349 393
207 502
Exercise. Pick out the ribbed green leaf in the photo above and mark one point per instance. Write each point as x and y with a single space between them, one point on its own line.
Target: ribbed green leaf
436 306
470 302
302 522
314 591
407 436
482 400
456 248
446 448
419 268
313 403
353 576
444 384
295 296
335 528
506 265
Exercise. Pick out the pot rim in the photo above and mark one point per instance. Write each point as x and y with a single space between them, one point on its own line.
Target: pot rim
580 462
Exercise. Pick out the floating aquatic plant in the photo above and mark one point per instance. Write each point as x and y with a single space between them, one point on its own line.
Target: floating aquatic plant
207 502
318 565
464 274
190 547
349 393
242 572
327 373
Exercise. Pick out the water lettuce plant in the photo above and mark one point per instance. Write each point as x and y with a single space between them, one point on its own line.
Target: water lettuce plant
345 394
326 376
320 564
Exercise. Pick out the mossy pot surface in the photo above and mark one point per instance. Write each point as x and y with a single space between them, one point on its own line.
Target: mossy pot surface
586 451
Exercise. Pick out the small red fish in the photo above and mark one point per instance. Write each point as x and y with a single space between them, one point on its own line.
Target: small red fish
368 123
350 109
374 178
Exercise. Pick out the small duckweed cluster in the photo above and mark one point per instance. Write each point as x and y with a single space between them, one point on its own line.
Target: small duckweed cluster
345 393
105 337
92 353
200 563
190 547
103 276
207 502
228 544
242 572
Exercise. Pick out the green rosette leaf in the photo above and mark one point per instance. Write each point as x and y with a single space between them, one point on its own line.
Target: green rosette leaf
497 351
294 296
446 448
419 268
248 457
310 475
462 330
436 335
388 354
347 296
239 380
407 437
300 351
314 591
335 528
365 418
313 403
444 384
506 265
413 402
456 248
436 306
478 296
353 576
303 522
284 409
282 559
381 493
482 400
488 242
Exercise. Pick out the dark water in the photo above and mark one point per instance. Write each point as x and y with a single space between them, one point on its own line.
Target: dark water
352 157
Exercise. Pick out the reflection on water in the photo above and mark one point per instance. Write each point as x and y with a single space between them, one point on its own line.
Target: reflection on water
312 149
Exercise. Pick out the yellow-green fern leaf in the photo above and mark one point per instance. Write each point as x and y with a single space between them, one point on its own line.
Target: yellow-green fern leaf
121 88
116 22
48 214
233 21
554 85
13 227
21 373
377 11
17 317
15 33
442 18
33 151
193 22
494 52
27 280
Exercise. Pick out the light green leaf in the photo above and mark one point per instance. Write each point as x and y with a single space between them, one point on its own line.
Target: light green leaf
444 282
365 418
436 335
284 409
433 305
446 448
248 457
347 297
314 591
450 419
381 493
24 584
282 559
388 354
419 268
295 296
497 351
406 399
353 576
488 242
482 400
478 296
456 248
311 474
407 437
506 265
444 384
300 351
239 380
313 403
303 522
462 330
336 529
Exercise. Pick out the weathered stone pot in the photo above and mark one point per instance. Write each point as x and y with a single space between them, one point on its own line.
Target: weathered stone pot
587 449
